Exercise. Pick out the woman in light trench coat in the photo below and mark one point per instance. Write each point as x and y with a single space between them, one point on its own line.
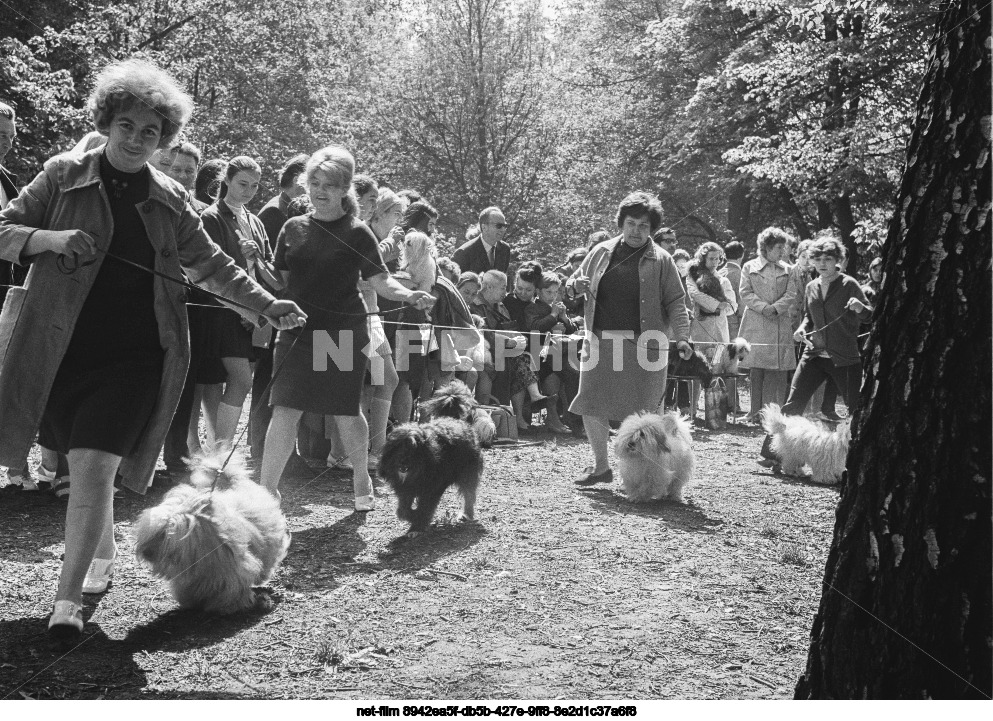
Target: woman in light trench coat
768 291
95 347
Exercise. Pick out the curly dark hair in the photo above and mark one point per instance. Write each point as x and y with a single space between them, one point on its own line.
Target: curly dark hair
121 86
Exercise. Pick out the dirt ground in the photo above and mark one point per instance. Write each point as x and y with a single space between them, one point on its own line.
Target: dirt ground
558 592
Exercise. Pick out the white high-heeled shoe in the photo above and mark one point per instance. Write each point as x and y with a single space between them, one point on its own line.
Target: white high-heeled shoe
98 575
365 503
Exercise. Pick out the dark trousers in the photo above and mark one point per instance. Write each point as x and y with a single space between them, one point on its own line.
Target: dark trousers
260 412
810 374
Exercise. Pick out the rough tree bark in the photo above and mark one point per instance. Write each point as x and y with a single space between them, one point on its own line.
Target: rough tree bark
905 610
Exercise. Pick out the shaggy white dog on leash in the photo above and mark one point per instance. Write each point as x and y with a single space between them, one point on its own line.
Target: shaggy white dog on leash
214 541
655 455
799 441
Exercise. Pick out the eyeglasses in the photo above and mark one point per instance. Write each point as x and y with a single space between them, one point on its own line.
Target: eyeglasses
498 226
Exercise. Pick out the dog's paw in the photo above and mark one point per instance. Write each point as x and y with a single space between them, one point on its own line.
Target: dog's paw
463 518
413 534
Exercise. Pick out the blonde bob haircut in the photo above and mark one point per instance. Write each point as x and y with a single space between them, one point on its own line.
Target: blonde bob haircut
338 166
121 86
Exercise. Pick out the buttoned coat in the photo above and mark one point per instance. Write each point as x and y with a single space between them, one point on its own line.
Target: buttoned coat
37 321
764 284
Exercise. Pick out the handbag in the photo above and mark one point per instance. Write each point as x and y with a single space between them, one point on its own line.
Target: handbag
715 405
504 420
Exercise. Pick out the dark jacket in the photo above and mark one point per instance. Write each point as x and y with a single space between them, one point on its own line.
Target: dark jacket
274 215
472 257
222 227
835 329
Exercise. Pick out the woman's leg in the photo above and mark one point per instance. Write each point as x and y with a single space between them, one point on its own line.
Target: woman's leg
279 443
211 400
484 387
236 389
193 432
403 402
598 431
517 402
774 388
848 380
830 399
89 518
381 398
355 435
756 380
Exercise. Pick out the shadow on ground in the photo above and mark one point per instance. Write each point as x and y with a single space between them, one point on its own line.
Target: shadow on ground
684 516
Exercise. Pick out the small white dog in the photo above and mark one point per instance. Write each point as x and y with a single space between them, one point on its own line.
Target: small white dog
728 356
655 454
214 546
799 441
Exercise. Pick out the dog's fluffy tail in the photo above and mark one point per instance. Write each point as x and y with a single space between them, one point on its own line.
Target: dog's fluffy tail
773 419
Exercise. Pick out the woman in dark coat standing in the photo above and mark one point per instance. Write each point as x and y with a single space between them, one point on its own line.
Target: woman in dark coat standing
98 347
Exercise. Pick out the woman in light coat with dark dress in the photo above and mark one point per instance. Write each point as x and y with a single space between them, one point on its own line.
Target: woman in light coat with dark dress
768 290
97 348
632 289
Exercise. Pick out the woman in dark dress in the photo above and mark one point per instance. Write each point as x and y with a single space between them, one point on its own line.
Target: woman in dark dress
98 347
322 255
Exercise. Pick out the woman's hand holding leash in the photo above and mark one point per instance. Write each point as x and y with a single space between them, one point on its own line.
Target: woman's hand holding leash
856 305
684 348
66 242
422 300
285 314
800 337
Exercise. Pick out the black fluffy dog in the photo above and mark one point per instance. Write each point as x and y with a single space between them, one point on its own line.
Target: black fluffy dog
455 400
696 367
421 460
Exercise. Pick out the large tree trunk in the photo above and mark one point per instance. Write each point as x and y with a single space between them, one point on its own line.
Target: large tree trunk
905 610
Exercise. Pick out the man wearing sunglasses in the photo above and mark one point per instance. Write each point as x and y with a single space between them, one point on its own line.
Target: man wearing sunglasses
488 251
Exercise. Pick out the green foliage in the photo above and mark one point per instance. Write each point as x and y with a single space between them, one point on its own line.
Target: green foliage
738 114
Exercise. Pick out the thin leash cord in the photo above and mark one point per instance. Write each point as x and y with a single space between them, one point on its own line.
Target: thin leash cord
192 286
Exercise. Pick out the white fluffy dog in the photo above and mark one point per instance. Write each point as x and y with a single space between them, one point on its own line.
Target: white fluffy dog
799 441
655 455
214 546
